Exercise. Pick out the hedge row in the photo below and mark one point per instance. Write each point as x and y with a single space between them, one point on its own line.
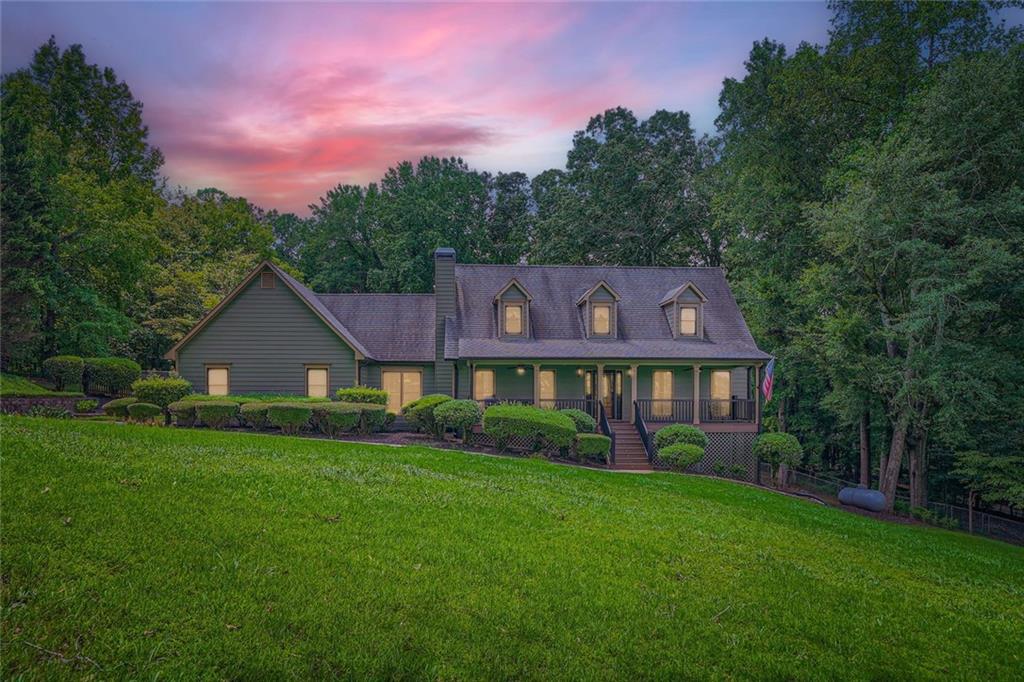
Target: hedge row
545 429
99 376
331 419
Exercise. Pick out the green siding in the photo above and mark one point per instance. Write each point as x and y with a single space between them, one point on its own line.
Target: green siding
266 336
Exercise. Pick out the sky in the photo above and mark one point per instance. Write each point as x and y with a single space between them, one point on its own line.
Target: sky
280 102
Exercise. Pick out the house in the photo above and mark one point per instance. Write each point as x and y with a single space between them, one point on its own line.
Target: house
638 347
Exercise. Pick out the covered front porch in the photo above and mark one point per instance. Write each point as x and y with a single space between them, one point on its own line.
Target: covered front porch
713 396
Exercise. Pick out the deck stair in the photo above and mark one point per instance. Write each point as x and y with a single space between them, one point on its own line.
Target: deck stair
629 449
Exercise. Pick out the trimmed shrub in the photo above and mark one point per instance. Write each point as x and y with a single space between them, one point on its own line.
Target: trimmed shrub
289 417
778 449
83 406
420 413
254 415
48 411
680 456
216 413
545 428
334 419
65 371
119 407
372 417
584 422
110 376
144 412
679 433
593 446
160 390
184 412
245 398
458 415
362 394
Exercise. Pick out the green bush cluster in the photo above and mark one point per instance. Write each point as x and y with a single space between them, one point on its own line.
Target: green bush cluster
584 422
362 394
334 419
420 413
83 406
65 371
161 391
679 433
245 398
254 415
593 446
681 456
110 376
216 414
48 411
144 412
118 407
289 417
778 449
458 415
546 428
372 417
183 411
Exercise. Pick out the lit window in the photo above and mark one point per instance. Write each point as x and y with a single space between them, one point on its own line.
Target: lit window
720 392
316 382
602 319
402 386
514 320
266 280
661 392
547 387
217 380
688 321
483 384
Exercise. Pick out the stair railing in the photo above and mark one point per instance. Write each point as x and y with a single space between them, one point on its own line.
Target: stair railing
606 429
641 428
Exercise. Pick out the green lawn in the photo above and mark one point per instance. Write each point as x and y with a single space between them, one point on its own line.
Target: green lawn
13 385
138 552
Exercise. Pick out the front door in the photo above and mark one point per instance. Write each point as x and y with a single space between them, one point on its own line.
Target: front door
611 393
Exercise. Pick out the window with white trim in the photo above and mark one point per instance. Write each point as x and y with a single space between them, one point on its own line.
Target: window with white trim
602 319
217 380
513 319
688 320
317 382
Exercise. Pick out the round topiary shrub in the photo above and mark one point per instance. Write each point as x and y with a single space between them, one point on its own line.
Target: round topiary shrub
420 413
593 446
254 415
681 456
65 371
334 419
778 449
216 414
144 413
161 391
86 406
118 408
680 433
543 429
458 415
289 417
184 412
362 394
110 376
584 422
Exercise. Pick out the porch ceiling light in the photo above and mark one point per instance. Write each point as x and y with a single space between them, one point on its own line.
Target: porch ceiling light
579 371
520 370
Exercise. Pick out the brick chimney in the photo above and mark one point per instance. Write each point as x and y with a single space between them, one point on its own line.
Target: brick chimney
444 305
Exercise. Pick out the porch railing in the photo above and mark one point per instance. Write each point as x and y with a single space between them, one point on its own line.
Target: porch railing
678 411
732 410
588 405
641 428
606 429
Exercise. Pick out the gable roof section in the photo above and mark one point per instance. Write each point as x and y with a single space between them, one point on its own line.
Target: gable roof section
304 294
557 333
590 292
513 283
392 327
675 293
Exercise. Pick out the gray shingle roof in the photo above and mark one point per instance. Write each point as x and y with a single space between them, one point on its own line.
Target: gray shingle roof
392 327
556 321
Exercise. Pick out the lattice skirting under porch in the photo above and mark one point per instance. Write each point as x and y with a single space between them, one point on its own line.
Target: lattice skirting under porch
727 454
517 444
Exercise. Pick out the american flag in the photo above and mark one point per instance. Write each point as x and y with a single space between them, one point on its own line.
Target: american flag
766 385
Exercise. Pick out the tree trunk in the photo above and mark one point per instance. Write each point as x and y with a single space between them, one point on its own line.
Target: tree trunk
865 449
890 475
919 470
970 512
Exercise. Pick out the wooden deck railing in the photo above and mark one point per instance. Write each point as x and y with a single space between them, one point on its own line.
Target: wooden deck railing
732 410
677 411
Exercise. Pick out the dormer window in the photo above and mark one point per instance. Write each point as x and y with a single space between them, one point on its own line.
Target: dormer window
513 310
602 322
600 311
684 308
687 320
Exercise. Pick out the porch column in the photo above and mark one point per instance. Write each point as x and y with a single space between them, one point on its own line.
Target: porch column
633 373
757 395
472 381
536 384
600 384
696 394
